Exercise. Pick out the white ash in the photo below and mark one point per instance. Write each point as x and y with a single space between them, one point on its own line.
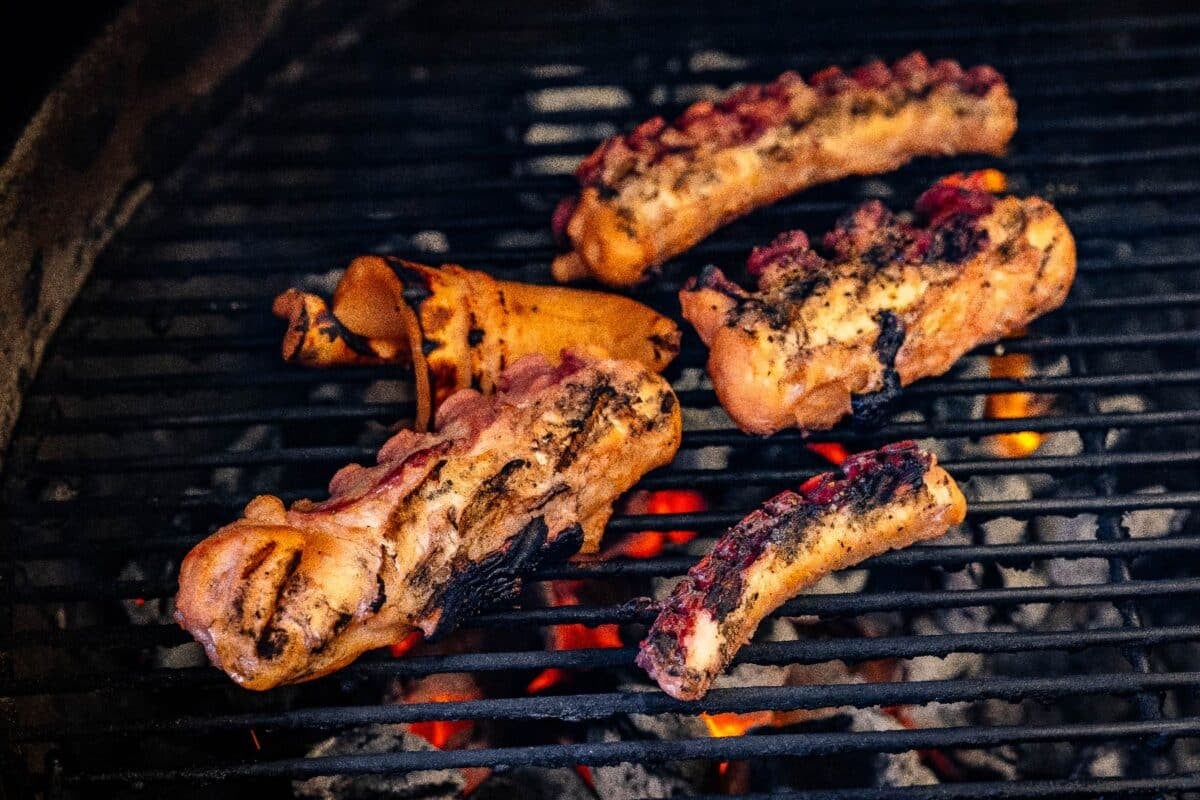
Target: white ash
894 769
58 491
573 98
849 581
1108 762
550 165
553 70
159 611
1008 531
326 393
874 187
516 240
542 133
322 283
701 419
534 783
388 391
772 629
430 242
374 739
971 619
714 60
238 480
670 779
1120 404
1154 523
690 93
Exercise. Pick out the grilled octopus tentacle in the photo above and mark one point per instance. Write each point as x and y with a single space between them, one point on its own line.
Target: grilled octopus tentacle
459 328
653 193
883 302
884 499
445 523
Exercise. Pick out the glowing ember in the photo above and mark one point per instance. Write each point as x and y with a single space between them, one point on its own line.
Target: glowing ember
648 544
1014 405
936 760
730 723
833 452
982 180
585 772
450 687
404 645
571 637
441 732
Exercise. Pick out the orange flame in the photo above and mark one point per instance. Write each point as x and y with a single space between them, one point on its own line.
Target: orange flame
1013 405
733 724
404 645
574 636
981 180
648 544
441 732
833 452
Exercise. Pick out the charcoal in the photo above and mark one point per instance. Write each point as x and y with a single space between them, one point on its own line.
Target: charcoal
442 784
670 779
534 783
848 770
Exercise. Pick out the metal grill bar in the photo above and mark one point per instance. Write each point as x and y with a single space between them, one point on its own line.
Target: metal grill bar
739 748
575 708
638 611
1024 790
115 459
793 652
98 506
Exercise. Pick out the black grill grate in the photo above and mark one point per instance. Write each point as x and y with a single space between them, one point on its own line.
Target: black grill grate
445 132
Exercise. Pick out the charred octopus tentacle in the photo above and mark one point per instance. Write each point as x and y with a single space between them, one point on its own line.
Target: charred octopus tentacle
883 499
884 300
459 328
445 523
656 191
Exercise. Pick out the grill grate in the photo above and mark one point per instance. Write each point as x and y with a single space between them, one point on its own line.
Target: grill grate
446 132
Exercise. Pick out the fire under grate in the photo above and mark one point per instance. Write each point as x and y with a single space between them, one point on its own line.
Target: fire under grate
1050 648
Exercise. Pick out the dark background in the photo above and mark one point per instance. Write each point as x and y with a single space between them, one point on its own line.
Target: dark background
38 43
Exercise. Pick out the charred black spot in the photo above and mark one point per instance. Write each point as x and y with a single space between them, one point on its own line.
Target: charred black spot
666 403
359 344
669 344
416 290
300 326
498 577
270 643
893 472
380 594
957 239
871 410
492 490
597 400
429 346
333 329
605 191
272 640
31 287
475 336
257 559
